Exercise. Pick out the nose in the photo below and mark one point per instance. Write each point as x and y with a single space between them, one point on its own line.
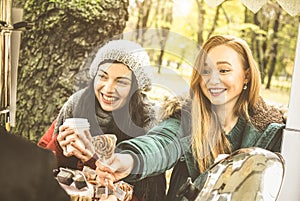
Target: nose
109 86
215 77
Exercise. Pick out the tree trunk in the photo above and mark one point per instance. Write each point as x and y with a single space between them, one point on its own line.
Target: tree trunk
201 18
144 9
260 42
274 49
215 23
52 55
163 24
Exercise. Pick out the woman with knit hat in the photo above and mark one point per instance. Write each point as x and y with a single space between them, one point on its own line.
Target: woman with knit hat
225 113
114 103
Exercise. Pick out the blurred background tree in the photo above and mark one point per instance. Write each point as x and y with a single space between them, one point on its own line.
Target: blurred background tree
52 63
270 32
53 52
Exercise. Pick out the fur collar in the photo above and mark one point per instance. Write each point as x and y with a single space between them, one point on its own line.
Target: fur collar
261 115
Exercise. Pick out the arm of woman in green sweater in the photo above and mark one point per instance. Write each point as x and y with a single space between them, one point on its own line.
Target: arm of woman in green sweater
146 155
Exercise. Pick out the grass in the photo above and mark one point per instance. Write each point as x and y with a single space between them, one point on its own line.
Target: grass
279 94
276 96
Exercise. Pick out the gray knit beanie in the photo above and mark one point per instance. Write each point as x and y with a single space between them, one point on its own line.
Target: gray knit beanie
129 53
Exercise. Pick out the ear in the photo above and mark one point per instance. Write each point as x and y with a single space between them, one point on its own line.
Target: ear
247 75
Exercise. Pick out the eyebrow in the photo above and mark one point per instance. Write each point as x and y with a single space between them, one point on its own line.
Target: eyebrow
123 77
223 62
219 63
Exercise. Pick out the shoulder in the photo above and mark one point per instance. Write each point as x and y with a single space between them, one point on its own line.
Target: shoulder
269 138
68 107
274 128
263 115
271 128
21 146
75 96
72 101
37 166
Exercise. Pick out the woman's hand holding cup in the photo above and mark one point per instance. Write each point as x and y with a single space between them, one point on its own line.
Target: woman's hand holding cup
75 139
66 137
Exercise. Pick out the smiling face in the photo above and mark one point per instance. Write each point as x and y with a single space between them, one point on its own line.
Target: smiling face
112 85
223 76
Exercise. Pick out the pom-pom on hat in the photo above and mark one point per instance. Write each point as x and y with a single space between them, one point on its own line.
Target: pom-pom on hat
129 53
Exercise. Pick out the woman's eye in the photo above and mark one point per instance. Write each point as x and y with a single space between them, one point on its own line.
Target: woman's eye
103 77
123 82
205 72
224 71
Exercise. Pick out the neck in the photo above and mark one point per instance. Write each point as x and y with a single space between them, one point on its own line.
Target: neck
227 118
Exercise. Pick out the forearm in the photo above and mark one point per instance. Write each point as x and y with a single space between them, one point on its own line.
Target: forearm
155 152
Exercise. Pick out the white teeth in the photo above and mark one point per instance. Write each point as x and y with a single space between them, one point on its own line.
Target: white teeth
110 99
216 90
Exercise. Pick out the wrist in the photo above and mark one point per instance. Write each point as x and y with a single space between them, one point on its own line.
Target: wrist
135 166
92 162
131 161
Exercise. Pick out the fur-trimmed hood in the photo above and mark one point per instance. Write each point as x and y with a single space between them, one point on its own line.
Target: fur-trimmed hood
261 116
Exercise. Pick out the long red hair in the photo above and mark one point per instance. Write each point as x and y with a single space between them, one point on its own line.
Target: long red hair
208 139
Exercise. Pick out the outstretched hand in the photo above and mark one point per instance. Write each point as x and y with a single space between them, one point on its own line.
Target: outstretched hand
119 167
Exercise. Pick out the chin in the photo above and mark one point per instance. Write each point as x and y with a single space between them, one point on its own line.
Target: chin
218 103
110 108
107 107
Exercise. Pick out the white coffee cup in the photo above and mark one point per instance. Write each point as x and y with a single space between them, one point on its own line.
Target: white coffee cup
80 125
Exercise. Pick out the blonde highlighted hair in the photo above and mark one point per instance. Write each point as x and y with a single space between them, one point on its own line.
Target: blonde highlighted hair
208 139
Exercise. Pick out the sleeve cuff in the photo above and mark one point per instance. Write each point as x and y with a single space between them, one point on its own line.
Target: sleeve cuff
92 162
58 147
137 167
